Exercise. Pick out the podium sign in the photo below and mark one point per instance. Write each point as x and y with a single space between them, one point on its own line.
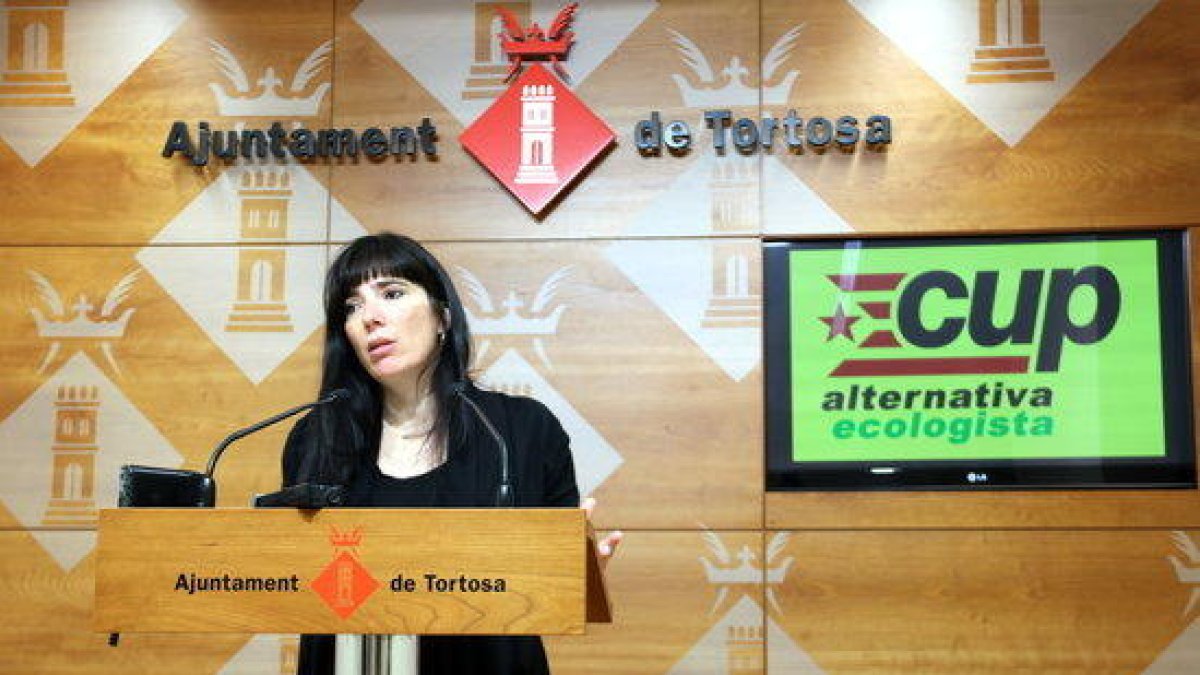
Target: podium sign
411 571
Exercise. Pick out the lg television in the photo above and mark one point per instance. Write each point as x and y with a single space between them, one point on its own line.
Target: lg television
1001 362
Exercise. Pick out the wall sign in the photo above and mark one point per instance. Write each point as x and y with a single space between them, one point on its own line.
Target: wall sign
748 135
300 142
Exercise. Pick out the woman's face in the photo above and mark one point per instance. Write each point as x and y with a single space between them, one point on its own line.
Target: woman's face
393 327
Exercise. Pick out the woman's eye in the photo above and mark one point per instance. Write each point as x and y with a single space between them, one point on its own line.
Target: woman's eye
393 294
352 307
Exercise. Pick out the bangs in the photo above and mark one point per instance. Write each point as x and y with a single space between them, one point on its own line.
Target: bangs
371 258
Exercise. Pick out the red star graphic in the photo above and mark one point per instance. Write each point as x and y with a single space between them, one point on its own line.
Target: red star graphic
839 324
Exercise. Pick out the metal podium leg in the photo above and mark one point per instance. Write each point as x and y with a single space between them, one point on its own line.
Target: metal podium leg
348 655
375 649
376 655
404 655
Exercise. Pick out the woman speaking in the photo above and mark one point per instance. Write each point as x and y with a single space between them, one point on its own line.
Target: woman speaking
416 432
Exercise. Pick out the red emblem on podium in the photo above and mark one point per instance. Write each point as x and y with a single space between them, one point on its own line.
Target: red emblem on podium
537 137
345 584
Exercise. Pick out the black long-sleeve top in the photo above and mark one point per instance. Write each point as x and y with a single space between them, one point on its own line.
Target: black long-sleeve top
543 475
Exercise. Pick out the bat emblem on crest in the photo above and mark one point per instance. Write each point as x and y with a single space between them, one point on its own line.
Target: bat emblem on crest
535 43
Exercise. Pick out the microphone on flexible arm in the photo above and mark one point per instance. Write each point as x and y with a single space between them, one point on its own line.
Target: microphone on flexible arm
141 486
155 486
335 395
504 491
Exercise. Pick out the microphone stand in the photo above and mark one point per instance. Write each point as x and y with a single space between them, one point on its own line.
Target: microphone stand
205 486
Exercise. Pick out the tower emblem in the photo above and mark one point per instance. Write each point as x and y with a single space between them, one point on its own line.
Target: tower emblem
260 305
62 448
1009 62
345 584
733 299
35 73
62 59
538 136
489 71
256 298
73 479
289 654
1010 48
103 327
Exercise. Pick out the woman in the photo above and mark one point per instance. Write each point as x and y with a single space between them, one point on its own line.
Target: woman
415 431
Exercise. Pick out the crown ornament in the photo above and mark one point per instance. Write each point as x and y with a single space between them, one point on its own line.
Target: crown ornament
732 88
273 100
345 539
83 324
747 572
531 318
533 43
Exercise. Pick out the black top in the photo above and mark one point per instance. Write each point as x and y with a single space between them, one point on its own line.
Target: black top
543 475
373 488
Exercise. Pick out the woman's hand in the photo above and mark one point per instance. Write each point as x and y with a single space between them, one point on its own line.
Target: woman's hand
607 546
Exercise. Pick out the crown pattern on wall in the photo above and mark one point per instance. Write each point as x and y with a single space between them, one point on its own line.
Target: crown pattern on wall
734 90
272 100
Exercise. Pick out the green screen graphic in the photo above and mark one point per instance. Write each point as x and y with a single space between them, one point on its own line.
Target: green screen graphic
997 351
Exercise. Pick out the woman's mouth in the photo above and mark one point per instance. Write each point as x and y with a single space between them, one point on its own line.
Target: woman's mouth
378 349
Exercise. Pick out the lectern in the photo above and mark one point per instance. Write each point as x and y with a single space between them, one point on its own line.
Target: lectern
348 571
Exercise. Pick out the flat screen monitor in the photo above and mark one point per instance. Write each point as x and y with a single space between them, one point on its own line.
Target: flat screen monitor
1001 362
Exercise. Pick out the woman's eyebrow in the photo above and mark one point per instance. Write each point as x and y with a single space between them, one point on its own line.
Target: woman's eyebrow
388 281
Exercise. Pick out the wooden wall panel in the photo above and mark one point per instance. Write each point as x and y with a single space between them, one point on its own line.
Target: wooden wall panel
1089 162
1113 601
170 380
683 602
650 411
146 66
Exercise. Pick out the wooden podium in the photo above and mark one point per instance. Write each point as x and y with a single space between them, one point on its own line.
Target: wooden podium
369 571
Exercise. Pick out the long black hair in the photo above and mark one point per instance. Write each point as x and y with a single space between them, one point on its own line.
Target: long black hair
359 419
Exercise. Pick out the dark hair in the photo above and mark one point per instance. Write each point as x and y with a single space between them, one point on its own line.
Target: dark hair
366 258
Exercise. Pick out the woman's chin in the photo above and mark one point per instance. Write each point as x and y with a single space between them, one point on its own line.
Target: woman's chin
388 373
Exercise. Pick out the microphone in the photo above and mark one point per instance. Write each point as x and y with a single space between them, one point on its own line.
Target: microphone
303 496
335 395
504 491
155 486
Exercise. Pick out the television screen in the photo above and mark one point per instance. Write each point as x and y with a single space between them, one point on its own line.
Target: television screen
1028 361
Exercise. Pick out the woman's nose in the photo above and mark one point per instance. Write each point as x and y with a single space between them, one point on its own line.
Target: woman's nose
371 313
